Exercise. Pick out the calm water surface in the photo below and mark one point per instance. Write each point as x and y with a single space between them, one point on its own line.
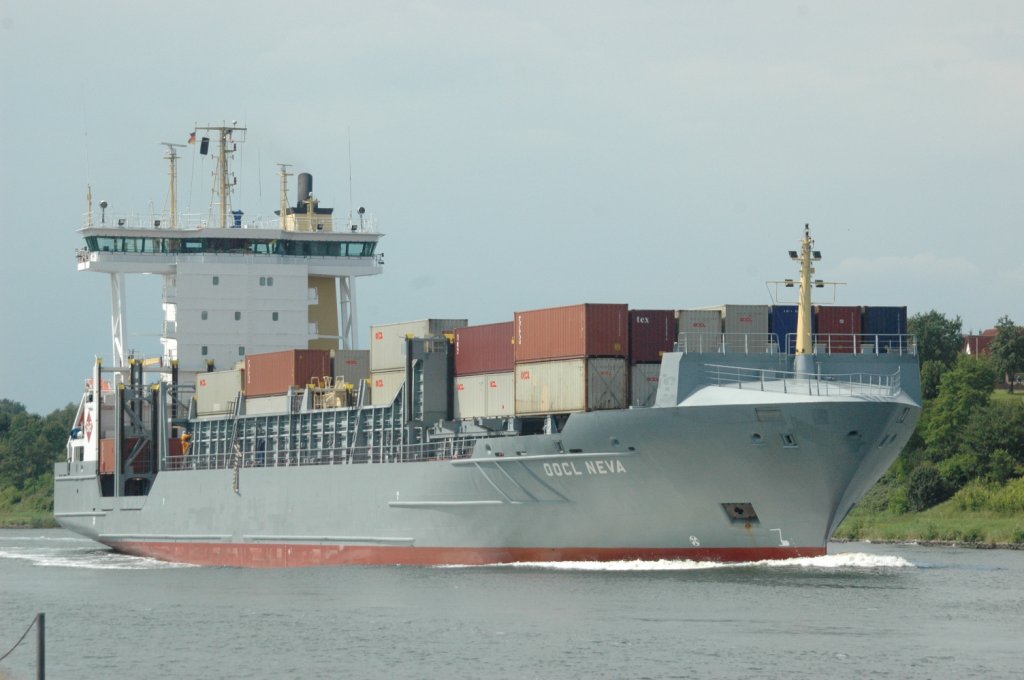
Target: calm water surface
863 611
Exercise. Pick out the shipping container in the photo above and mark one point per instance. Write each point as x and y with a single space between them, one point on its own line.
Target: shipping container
485 395
700 330
588 330
274 372
485 349
571 385
838 329
746 328
782 320
384 386
652 332
643 384
259 406
351 365
387 341
141 464
885 328
217 391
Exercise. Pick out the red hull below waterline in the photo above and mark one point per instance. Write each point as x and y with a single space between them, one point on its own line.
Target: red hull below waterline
276 555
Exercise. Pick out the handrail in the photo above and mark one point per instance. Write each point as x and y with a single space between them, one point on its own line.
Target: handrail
768 343
336 455
791 382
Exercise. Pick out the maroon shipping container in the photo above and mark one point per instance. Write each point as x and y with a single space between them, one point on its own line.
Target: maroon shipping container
484 349
838 328
107 455
274 372
589 330
652 332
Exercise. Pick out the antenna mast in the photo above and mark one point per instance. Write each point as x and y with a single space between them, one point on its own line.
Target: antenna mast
284 190
172 157
223 186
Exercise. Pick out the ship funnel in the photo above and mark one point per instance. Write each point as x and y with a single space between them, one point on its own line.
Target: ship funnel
305 188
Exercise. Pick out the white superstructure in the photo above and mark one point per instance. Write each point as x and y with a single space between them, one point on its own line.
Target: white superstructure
241 286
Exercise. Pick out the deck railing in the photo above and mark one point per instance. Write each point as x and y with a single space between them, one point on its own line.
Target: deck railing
254 457
790 382
769 343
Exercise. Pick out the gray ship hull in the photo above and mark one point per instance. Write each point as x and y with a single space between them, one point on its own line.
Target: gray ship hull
728 474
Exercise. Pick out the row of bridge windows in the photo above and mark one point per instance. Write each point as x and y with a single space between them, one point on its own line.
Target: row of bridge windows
145 244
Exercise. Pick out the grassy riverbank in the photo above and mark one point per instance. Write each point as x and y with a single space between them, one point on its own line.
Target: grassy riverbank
27 520
979 513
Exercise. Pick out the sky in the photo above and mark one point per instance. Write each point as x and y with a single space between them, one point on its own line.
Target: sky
520 155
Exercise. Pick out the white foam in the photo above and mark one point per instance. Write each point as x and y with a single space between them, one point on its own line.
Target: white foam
93 559
837 561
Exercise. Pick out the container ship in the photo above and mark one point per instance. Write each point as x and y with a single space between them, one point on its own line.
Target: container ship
263 437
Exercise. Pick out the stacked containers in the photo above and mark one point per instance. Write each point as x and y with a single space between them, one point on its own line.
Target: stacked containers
571 359
838 329
351 365
885 328
782 324
700 330
484 378
745 328
387 353
652 332
274 372
217 391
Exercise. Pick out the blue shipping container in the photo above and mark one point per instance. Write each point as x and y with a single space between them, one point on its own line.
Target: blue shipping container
885 327
782 322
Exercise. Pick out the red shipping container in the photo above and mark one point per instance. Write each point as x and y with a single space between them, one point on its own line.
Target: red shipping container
274 372
838 328
486 348
139 466
652 332
588 330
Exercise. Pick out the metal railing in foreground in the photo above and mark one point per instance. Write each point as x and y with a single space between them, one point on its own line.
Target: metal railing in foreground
248 456
771 343
789 382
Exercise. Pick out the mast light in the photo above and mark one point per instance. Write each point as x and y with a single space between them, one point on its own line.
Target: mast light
793 255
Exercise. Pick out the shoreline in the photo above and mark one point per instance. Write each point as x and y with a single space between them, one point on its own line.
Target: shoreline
975 545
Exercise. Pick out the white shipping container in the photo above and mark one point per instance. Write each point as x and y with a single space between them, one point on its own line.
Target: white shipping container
644 384
700 330
387 341
384 385
571 385
486 395
351 365
217 391
746 328
258 406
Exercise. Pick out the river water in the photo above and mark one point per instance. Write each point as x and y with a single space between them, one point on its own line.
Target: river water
863 611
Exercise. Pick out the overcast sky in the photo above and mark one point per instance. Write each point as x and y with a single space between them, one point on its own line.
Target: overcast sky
524 154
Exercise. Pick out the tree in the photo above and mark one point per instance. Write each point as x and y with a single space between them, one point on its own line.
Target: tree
925 487
962 391
938 338
1008 349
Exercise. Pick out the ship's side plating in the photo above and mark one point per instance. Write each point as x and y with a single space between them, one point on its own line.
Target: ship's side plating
732 470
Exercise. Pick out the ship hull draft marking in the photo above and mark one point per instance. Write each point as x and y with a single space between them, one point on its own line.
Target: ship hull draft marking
263 437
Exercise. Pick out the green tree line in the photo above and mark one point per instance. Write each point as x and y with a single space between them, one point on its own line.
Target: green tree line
970 435
29 446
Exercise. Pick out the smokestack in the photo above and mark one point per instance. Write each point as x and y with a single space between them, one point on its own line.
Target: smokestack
305 189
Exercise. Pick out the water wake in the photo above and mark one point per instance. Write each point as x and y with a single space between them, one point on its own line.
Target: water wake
840 561
74 553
